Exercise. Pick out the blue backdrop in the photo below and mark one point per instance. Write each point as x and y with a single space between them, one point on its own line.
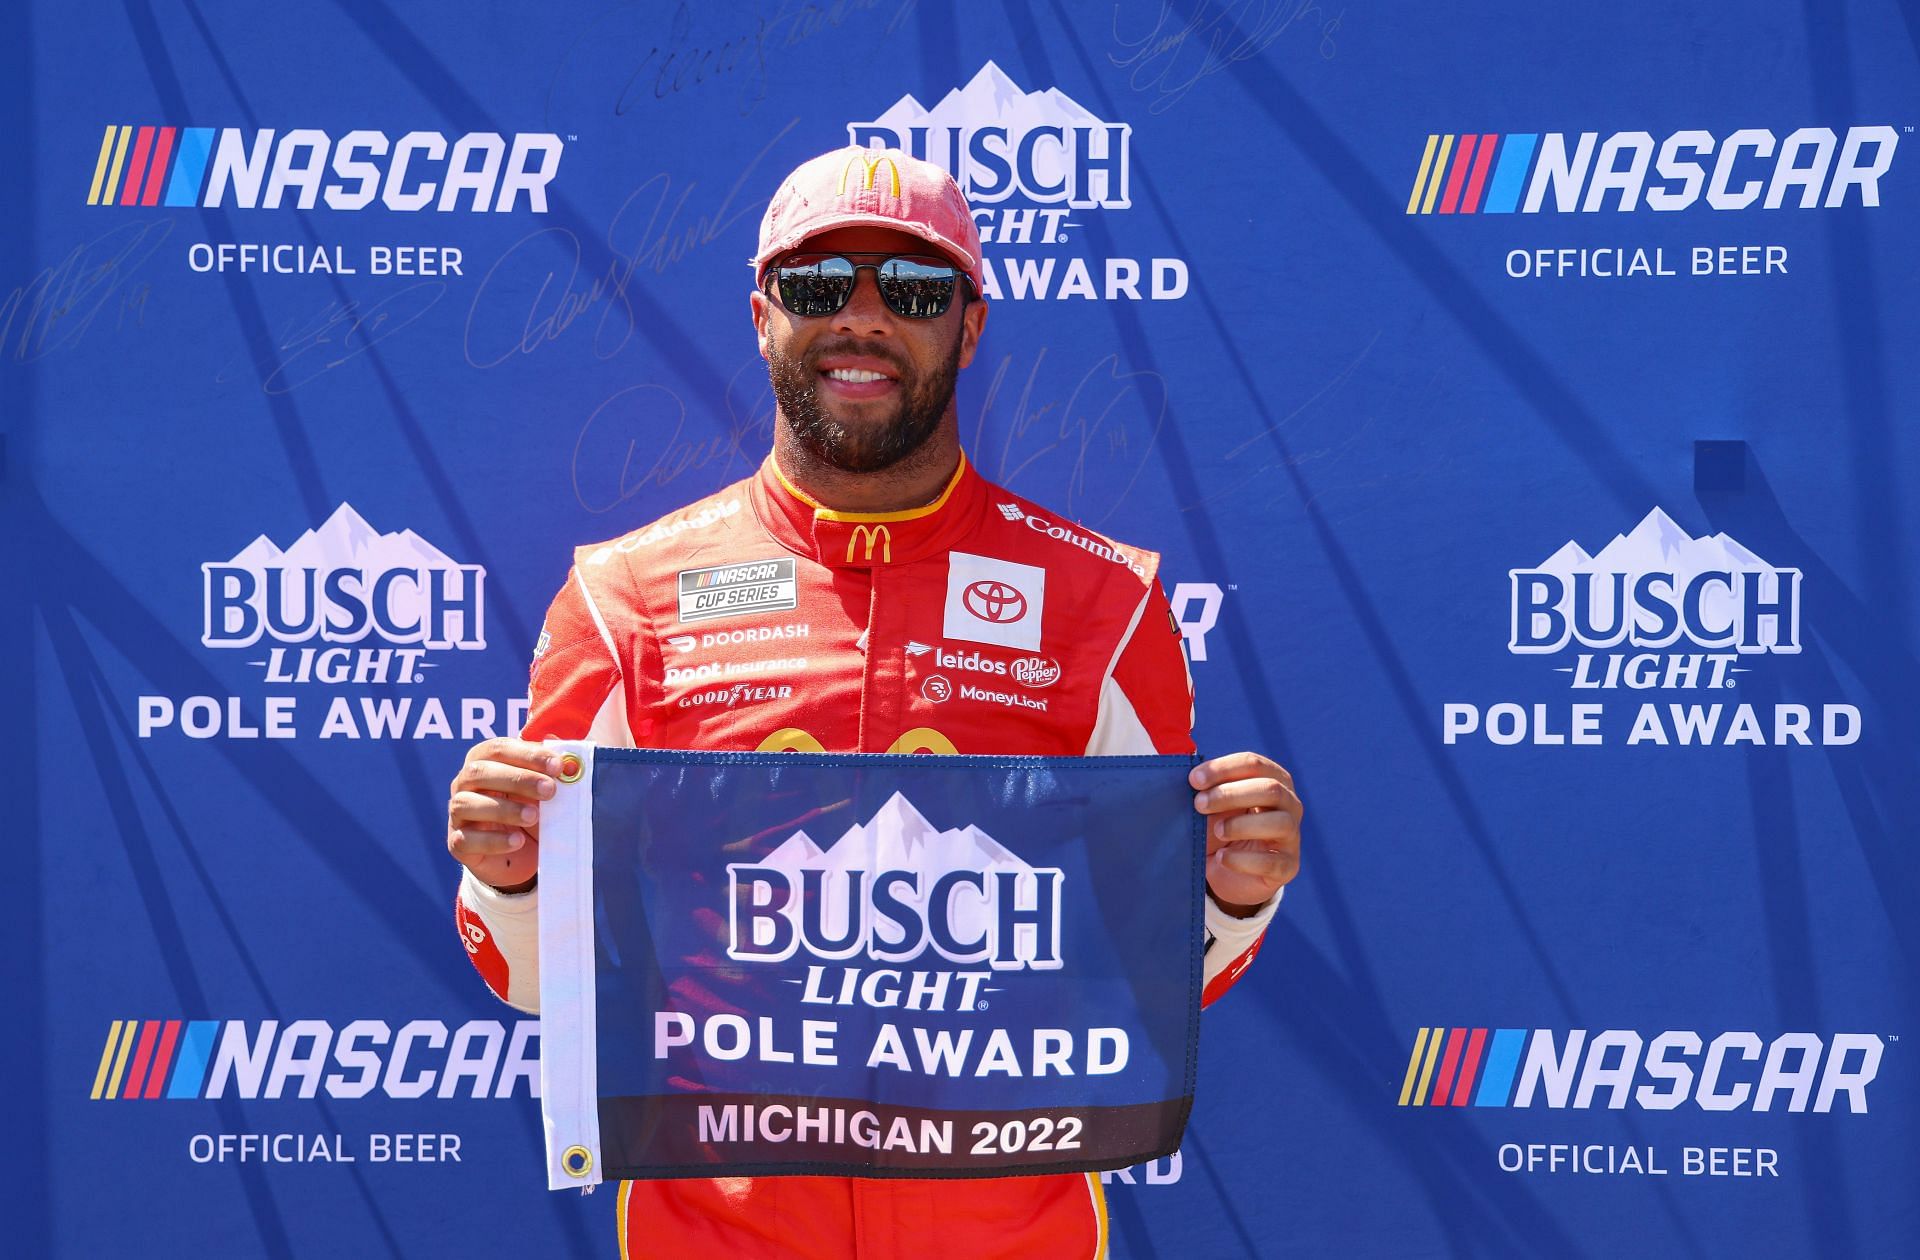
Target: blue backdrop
1442 351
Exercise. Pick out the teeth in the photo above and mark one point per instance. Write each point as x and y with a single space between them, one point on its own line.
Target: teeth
856 375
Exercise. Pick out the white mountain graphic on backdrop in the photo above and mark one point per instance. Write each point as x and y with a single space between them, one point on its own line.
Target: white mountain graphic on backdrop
345 541
899 838
1659 545
1656 545
991 99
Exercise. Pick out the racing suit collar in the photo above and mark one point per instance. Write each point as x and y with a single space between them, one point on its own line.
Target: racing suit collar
863 540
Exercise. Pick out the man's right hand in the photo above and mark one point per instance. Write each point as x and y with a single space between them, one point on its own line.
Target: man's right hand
492 826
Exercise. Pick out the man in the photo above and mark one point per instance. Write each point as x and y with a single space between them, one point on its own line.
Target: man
866 591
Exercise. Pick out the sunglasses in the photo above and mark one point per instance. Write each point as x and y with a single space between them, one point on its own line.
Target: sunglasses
912 286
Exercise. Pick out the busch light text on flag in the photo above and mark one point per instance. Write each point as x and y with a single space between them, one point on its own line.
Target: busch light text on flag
765 963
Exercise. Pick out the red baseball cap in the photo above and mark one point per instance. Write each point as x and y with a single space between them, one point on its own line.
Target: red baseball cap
856 187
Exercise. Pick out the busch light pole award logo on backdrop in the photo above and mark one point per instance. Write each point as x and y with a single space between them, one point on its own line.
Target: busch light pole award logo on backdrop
1656 611
1034 166
348 610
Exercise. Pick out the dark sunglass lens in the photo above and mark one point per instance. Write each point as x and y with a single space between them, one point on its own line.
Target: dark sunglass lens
815 286
916 289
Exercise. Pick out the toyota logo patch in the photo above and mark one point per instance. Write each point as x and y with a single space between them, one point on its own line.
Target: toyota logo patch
995 601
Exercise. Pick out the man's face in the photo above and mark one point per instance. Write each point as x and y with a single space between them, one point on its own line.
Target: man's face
822 368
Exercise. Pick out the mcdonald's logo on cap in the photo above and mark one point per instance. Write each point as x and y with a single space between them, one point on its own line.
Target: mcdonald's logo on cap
872 534
869 164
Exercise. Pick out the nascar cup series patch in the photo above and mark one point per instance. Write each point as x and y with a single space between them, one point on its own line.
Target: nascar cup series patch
876 966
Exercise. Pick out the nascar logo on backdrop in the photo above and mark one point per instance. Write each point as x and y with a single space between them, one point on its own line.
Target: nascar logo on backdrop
344 606
1518 1067
1608 1070
1656 609
1029 162
1528 173
222 168
175 1059
233 1058
207 166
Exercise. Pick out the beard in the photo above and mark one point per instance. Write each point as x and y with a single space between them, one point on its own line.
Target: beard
877 444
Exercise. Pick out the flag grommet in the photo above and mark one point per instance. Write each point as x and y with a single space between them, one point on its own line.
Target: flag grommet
578 1160
570 772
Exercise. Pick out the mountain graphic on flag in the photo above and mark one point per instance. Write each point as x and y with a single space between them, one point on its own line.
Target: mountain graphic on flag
899 838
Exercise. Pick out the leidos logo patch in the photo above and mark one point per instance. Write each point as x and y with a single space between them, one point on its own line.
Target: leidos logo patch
890 890
731 590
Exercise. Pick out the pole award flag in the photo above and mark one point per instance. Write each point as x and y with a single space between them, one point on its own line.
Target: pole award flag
866 965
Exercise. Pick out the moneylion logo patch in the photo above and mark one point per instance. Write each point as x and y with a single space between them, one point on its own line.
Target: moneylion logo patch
893 888
733 590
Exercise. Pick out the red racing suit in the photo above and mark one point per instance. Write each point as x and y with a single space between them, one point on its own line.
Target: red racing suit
757 619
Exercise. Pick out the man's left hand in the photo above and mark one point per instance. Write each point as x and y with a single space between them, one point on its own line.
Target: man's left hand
1253 829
